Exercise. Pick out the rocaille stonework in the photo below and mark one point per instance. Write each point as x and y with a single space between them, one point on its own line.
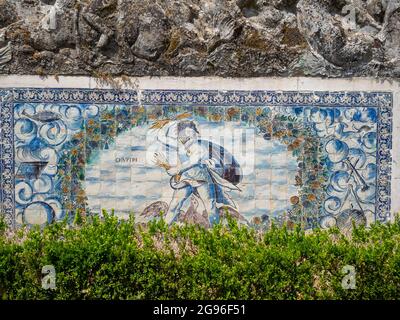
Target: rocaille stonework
230 38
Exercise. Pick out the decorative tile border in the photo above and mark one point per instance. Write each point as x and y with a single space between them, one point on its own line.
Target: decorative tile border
273 98
7 156
383 101
74 96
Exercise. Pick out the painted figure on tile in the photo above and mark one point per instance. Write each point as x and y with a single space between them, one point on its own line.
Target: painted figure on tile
198 168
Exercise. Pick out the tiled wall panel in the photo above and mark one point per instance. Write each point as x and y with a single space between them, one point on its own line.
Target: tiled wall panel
288 150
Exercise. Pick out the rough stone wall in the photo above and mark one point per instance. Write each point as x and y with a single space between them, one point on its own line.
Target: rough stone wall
230 38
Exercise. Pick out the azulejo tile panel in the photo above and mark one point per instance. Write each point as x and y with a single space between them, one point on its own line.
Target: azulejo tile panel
317 158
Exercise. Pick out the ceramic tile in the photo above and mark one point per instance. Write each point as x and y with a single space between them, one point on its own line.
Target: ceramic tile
284 155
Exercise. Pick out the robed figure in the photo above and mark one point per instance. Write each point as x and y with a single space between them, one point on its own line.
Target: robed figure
198 168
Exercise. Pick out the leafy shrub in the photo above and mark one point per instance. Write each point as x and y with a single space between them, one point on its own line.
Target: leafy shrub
111 259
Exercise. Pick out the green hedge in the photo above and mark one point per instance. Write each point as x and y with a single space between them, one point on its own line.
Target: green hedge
110 259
